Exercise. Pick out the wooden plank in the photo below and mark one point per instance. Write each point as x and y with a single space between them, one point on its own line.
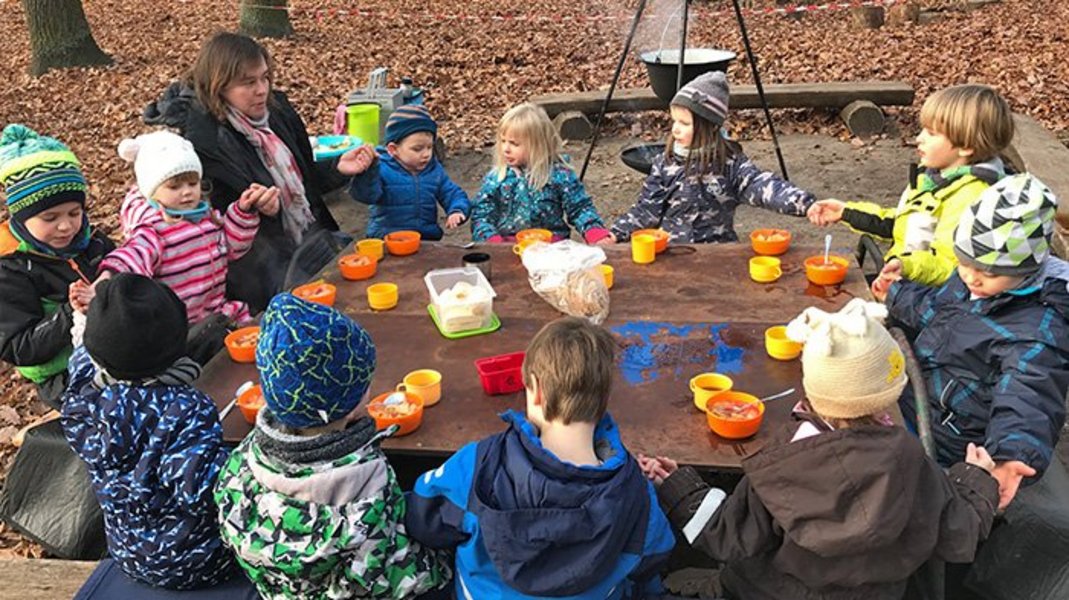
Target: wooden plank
42 579
1039 152
833 94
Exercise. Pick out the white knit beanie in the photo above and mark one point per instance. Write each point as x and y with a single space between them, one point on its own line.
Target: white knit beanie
851 366
157 157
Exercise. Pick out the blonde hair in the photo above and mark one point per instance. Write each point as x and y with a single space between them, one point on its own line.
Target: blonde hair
971 116
222 59
531 124
573 363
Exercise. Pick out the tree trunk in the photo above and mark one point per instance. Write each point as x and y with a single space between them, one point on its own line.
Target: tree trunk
265 18
60 36
869 17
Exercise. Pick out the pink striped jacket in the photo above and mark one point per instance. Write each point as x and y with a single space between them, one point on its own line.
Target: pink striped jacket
190 258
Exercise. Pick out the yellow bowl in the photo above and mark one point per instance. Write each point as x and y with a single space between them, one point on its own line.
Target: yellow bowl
382 296
779 346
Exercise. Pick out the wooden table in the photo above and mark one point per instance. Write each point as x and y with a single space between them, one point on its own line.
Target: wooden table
693 310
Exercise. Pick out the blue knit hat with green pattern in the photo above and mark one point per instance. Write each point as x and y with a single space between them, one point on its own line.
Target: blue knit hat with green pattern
37 172
315 363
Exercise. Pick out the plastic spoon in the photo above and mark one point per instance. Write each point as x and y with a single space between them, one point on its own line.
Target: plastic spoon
827 247
779 395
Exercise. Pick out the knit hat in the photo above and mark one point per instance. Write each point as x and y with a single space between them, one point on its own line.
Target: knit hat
315 363
1007 231
706 96
136 327
407 120
37 172
157 157
851 366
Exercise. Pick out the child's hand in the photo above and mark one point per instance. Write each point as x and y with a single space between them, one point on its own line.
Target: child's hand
247 200
80 294
454 220
607 240
657 469
825 212
357 160
978 456
892 272
1009 476
270 201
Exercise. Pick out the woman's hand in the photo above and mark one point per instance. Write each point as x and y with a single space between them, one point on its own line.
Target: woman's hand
357 160
825 212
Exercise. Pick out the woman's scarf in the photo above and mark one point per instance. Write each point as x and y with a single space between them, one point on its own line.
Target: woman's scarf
276 156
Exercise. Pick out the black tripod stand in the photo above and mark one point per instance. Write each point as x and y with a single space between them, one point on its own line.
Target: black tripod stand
679 78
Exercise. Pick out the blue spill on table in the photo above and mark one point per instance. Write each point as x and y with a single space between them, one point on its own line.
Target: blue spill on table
652 350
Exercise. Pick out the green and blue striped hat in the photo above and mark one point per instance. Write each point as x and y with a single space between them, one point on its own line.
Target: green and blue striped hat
38 172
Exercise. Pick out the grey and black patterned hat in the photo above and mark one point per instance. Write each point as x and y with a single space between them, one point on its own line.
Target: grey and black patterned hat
706 96
1007 231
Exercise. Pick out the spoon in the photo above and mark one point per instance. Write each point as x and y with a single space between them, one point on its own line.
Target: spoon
230 405
779 395
827 247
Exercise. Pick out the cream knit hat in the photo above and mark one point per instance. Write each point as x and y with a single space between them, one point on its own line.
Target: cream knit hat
157 157
851 366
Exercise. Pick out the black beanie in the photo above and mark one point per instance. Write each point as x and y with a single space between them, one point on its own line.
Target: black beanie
136 327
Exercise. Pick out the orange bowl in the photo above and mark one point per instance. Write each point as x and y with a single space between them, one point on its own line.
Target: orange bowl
356 267
323 293
402 243
250 402
770 242
830 273
241 344
660 238
408 422
541 235
734 415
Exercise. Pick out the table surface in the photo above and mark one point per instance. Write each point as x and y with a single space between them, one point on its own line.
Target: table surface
694 310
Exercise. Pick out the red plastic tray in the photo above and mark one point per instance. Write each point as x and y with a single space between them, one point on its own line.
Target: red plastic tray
501 374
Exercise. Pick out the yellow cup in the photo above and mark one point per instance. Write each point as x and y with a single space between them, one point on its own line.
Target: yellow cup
765 269
382 296
425 383
708 385
522 245
643 248
370 247
779 346
607 272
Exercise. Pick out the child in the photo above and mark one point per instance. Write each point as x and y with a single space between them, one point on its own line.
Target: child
172 233
308 502
406 185
994 339
702 176
532 185
45 246
964 128
151 442
555 505
845 505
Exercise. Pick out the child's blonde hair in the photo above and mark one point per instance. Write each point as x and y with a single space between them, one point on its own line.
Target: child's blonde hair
572 361
530 123
971 116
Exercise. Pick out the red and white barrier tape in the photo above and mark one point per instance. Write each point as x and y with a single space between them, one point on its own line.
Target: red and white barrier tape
320 13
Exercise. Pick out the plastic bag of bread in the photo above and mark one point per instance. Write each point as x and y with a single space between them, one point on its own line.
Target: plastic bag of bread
566 275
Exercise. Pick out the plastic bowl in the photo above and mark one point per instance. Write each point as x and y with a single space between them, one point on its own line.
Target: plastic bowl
322 293
356 267
407 423
830 273
241 344
660 238
541 235
250 402
734 428
402 243
779 346
770 242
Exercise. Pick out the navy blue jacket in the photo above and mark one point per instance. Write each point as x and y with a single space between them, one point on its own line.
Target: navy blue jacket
153 454
996 369
400 200
527 525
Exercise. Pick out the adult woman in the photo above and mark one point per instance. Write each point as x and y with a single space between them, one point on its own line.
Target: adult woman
245 132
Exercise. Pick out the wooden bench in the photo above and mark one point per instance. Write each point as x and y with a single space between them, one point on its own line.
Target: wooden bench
42 578
836 94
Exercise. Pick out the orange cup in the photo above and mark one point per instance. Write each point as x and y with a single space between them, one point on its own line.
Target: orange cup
372 247
643 248
541 235
826 273
356 267
408 422
323 293
607 273
250 402
724 415
241 344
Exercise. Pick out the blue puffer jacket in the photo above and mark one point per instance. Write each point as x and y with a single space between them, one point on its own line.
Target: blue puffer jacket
153 453
527 525
996 369
400 200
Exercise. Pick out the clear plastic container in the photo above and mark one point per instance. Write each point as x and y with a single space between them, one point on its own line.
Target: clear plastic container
462 298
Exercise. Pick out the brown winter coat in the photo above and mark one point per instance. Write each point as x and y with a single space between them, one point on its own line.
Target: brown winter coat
845 514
